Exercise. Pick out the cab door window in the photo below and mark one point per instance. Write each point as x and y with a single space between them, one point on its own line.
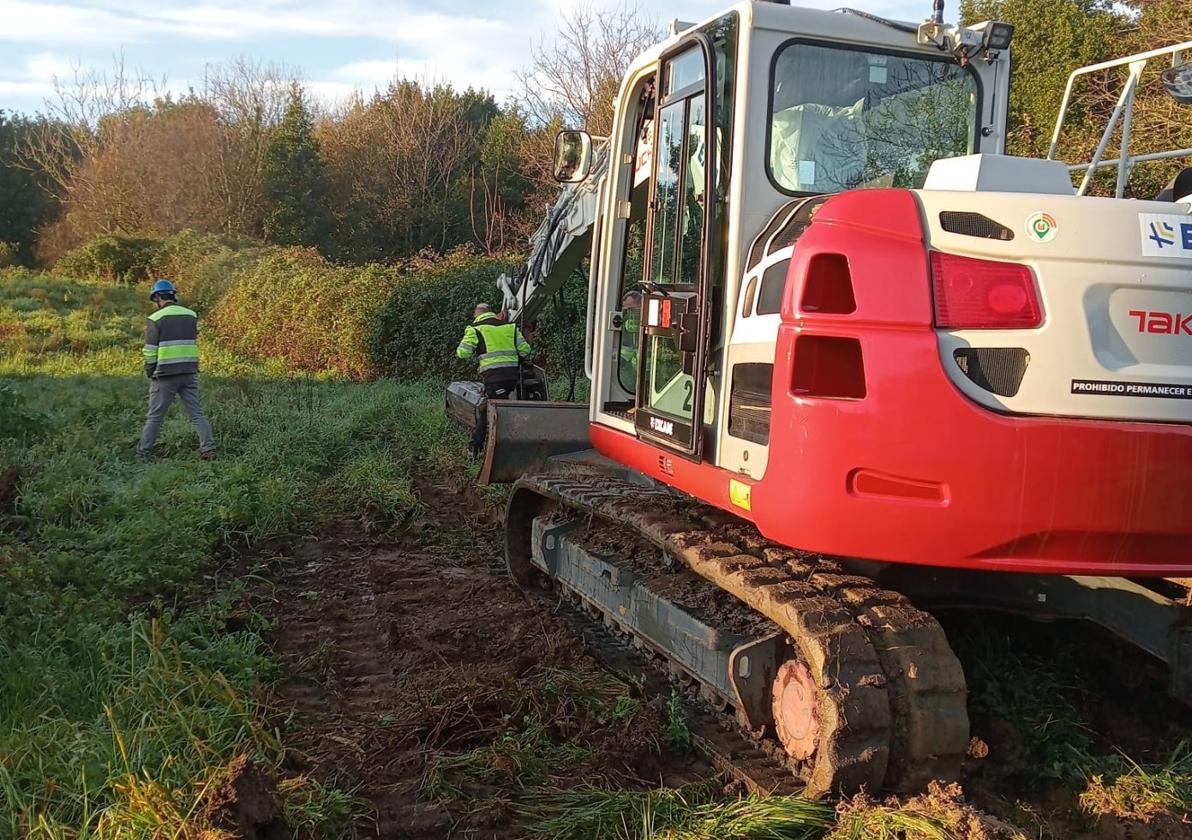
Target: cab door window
677 236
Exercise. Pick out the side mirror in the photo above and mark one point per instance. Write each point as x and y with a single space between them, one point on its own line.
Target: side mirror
1178 81
573 156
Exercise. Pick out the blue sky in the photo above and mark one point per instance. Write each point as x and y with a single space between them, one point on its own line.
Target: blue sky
336 47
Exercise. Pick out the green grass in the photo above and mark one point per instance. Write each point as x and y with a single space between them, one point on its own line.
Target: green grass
1043 697
694 812
1122 787
878 822
553 722
122 689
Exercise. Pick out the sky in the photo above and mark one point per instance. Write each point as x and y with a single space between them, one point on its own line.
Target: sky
335 46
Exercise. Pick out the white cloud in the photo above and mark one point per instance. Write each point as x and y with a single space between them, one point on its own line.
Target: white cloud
47 65
35 79
129 21
368 42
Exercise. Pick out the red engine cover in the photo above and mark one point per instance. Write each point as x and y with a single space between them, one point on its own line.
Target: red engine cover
875 454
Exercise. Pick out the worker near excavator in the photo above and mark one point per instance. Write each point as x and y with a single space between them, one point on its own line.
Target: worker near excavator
499 349
171 355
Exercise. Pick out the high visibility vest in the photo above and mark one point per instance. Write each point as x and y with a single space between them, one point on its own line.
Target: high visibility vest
172 341
631 326
497 347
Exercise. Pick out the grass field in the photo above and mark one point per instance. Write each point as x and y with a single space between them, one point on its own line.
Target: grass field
135 673
123 690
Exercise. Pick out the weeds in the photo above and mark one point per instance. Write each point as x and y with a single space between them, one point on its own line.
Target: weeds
939 814
879 822
313 810
523 756
118 694
1042 698
1127 789
694 812
677 733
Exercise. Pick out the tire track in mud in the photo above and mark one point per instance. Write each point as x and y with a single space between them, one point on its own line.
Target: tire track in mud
398 651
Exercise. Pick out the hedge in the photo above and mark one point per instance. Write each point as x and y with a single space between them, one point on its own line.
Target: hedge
292 304
265 301
420 323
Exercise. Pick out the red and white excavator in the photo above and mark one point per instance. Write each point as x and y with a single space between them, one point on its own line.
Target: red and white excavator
850 363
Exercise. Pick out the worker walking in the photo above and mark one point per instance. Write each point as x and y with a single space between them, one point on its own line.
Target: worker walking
172 365
499 349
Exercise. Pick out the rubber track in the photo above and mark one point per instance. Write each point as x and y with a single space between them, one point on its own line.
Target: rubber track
893 700
714 734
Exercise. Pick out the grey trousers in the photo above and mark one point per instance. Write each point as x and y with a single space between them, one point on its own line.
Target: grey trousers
162 391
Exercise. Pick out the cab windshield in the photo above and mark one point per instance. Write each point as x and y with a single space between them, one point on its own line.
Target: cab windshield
845 118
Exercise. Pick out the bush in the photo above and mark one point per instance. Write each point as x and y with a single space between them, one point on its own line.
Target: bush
559 334
118 259
203 265
294 305
420 323
9 253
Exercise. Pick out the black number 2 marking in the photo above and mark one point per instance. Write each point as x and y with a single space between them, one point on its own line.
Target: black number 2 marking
688 390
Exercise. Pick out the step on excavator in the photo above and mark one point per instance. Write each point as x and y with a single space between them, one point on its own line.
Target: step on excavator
851 364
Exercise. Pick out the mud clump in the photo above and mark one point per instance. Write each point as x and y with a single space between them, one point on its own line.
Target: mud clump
243 803
940 812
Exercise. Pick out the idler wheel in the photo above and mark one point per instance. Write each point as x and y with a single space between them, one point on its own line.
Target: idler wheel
796 709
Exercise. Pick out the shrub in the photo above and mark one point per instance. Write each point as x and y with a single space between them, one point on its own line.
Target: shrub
294 305
203 265
119 259
419 326
8 254
559 334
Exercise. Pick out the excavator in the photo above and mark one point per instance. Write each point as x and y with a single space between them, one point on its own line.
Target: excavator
850 365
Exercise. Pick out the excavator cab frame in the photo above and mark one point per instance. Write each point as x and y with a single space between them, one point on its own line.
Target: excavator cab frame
676 309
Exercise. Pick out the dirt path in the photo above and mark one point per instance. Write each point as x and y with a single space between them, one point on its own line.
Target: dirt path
401 652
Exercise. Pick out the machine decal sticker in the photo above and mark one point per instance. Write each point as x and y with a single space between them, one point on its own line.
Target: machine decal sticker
665 427
1042 227
1166 235
740 494
1162 323
1107 388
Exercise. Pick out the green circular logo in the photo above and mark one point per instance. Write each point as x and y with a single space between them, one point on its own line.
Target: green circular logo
1042 227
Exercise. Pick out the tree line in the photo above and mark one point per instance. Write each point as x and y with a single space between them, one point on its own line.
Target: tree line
1055 37
425 167
248 153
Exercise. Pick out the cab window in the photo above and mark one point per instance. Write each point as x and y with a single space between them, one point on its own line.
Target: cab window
843 118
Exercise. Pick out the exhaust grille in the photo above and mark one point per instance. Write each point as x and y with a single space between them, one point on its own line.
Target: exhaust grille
998 370
974 224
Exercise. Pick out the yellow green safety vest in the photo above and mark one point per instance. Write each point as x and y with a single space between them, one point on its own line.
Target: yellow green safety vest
171 342
495 345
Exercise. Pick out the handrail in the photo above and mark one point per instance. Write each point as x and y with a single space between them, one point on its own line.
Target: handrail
1123 112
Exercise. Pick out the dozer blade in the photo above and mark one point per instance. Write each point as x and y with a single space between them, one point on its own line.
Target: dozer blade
522 435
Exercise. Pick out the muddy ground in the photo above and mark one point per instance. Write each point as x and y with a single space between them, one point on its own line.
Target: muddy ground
404 651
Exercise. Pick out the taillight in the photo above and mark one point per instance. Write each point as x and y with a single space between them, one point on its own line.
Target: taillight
984 295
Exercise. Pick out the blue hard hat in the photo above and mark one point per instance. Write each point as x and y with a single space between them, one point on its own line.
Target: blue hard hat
162 287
